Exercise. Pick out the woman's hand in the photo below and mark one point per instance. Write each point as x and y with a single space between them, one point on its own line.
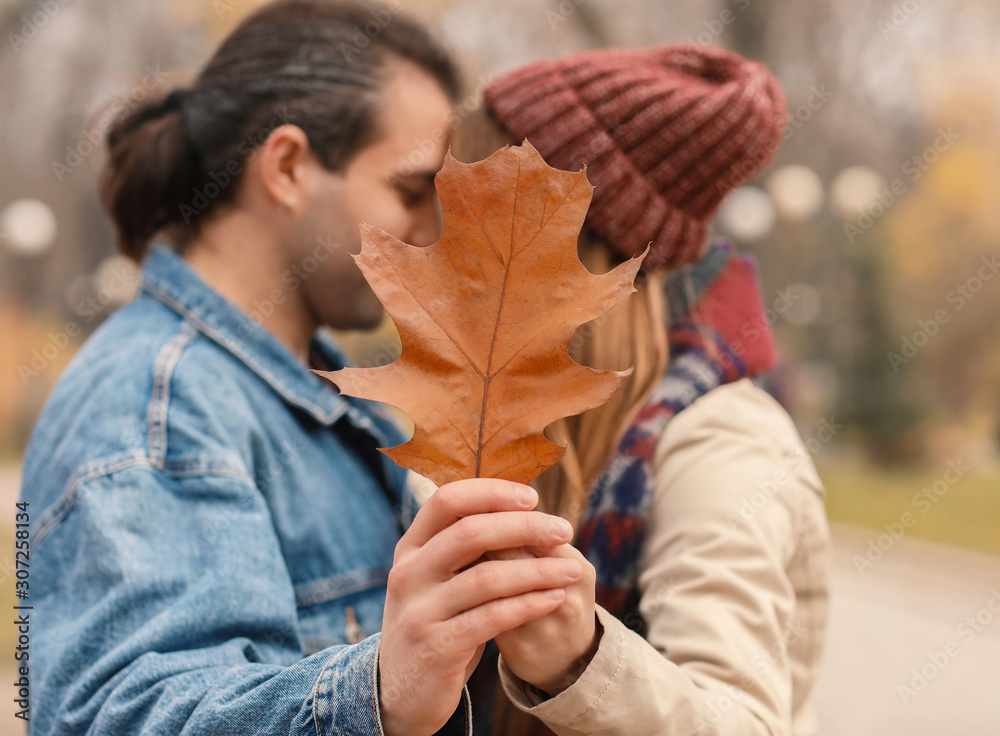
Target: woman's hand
441 608
551 652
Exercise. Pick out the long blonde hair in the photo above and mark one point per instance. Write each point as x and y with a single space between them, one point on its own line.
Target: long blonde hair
634 332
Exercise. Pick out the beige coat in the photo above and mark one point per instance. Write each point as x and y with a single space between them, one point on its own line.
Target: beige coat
733 586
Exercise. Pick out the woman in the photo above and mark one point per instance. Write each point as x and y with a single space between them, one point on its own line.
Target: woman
691 493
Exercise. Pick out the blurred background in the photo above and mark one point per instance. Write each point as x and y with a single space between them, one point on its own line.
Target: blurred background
877 230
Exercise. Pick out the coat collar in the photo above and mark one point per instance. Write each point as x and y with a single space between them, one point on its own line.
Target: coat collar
167 278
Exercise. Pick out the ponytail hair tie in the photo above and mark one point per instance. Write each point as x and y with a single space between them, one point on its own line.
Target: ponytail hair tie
175 100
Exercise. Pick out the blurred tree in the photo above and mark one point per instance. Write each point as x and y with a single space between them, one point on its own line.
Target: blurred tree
944 240
879 404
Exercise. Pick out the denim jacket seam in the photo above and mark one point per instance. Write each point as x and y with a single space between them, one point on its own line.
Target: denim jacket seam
320 591
319 683
191 468
204 328
159 405
376 710
315 696
108 466
62 506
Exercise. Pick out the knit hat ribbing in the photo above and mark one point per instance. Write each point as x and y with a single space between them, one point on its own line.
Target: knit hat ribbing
665 133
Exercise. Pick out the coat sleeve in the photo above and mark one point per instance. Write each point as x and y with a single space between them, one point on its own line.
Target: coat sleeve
164 606
718 601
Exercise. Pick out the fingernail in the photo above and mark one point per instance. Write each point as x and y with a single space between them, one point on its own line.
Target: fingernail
526 496
554 593
561 528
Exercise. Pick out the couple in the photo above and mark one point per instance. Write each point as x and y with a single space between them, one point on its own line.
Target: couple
218 545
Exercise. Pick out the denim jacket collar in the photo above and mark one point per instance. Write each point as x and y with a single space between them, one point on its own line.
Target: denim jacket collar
169 280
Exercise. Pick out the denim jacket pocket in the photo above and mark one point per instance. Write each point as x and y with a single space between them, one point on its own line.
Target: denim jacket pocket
342 609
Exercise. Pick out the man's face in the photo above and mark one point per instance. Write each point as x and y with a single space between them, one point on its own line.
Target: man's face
389 184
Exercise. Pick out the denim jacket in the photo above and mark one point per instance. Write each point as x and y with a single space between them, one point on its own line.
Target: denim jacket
204 512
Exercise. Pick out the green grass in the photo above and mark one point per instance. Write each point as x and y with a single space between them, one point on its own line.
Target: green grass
966 515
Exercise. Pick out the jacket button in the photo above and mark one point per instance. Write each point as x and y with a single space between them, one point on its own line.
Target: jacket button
353 632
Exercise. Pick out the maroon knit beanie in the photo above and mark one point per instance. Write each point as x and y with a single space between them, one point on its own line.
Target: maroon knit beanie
665 133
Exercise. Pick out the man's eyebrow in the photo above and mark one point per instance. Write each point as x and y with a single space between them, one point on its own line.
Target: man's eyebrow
425 175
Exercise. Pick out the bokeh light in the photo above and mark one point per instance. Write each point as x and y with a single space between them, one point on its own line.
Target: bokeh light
748 213
797 192
27 227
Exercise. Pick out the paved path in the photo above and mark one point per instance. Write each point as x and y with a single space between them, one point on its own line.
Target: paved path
906 612
910 612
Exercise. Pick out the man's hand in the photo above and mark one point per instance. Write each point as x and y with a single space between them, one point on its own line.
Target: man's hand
445 600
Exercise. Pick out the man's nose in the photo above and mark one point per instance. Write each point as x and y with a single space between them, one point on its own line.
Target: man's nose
426 228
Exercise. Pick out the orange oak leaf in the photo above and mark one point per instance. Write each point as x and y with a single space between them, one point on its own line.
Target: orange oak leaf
485 316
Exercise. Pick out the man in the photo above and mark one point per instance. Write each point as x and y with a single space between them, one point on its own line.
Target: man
212 528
